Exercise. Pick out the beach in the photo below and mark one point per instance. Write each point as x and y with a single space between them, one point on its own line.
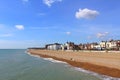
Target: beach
99 62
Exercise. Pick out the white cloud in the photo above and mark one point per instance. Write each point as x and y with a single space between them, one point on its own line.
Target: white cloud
86 14
1 26
6 35
68 33
102 35
19 27
50 2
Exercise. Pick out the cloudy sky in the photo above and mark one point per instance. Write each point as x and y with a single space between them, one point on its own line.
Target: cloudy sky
28 23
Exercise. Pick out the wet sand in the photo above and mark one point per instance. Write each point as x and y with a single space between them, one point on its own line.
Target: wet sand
100 62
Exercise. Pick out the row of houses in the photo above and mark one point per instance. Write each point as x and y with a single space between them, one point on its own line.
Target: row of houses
103 45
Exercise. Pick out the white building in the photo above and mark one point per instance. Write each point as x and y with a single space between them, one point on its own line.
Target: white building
69 45
98 47
111 44
103 44
108 44
54 46
94 45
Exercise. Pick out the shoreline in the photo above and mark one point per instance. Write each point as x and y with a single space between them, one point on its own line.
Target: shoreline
109 71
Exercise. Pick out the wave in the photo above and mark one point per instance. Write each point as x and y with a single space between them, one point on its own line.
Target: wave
48 59
103 77
33 55
53 60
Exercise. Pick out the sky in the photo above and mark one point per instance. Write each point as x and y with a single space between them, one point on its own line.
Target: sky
35 23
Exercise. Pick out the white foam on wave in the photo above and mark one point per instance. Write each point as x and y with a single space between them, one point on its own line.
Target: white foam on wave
103 77
53 60
48 59
33 55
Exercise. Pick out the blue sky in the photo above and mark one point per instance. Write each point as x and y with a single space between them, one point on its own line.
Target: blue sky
34 23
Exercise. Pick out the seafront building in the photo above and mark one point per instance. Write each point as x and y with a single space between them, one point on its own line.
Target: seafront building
110 45
55 46
103 45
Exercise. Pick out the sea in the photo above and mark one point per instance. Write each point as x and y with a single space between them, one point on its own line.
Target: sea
17 64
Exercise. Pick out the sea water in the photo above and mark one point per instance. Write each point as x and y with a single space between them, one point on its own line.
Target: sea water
15 64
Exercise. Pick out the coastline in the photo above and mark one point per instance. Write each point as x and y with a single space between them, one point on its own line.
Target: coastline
112 71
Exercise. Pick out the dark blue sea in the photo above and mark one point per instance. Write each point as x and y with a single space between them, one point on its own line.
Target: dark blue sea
16 64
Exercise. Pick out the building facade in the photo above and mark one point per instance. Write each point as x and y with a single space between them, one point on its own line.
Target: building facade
54 46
